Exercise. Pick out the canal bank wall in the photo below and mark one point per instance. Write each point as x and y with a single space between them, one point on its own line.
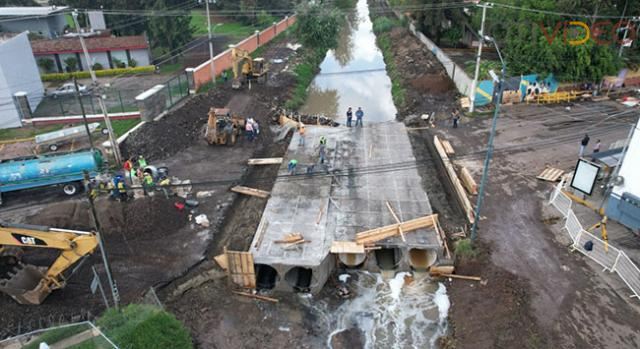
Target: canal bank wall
454 71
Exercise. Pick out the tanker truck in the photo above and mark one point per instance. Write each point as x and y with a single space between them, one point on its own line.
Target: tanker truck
65 170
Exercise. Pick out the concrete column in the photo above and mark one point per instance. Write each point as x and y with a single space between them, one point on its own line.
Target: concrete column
151 102
191 80
286 18
275 29
257 32
22 105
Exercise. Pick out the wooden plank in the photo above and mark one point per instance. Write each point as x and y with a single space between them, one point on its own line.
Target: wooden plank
289 238
257 296
468 181
462 277
447 147
374 235
221 259
262 228
286 247
240 268
320 215
436 270
461 195
265 161
250 191
393 213
346 247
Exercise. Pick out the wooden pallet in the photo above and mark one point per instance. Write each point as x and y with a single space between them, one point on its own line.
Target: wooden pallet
550 174
250 191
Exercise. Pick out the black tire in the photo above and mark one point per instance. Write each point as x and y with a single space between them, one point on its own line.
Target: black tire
70 189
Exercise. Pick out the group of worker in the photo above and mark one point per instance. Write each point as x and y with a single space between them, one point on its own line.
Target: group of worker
359 116
135 169
252 129
322 151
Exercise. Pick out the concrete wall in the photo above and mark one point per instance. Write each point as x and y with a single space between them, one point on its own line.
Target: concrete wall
95 57
119 54
202 73
624 202
18 72
49 27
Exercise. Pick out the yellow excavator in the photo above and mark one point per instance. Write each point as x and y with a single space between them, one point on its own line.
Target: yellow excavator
246 68
30 284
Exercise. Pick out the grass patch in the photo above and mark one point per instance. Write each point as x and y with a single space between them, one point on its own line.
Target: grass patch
56 335
170 68
398 92
234 29
121 127
305 72
26 132
143 326
464 249
69 20
384 24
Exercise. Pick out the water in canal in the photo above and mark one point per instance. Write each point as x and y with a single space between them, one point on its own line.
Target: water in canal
353 75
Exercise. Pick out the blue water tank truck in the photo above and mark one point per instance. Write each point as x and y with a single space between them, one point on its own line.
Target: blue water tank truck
60 169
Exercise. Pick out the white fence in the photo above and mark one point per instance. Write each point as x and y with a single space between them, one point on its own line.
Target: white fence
609 257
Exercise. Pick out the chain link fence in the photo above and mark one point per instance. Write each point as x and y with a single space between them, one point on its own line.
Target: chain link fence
75 335
610 258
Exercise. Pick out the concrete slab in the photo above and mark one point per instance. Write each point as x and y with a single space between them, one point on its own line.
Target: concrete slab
365 168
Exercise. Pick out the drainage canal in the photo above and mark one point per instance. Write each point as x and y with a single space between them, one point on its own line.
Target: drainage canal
388 258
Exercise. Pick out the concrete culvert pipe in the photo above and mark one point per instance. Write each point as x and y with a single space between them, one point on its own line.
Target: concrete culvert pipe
299 278
422 258
266 276
388 258
352 260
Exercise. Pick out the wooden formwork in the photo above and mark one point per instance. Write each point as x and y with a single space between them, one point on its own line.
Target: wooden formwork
240 268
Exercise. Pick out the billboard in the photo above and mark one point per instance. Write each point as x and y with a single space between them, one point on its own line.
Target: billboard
584 176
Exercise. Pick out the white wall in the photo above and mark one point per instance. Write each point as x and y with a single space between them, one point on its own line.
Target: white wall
95 57
121 55
18 72
630 168
141 56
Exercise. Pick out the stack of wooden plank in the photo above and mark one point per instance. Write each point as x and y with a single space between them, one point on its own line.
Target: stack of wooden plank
468 181
374 235
550 174
292 239
447 147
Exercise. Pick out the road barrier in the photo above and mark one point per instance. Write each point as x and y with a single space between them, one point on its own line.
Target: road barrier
222 62
610 258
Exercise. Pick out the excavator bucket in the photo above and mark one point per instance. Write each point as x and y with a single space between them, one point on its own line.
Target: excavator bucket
27 285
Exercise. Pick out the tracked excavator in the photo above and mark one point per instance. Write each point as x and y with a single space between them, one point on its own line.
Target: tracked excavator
30 284
247 68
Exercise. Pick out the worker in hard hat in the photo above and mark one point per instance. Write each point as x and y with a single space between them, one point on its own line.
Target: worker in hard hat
292 166
147 182
142 162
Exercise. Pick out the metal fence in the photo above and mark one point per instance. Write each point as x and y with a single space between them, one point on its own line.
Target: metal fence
610 258
77 335
176 89
120 100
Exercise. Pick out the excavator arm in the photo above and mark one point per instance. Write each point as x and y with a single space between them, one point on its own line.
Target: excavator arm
30 284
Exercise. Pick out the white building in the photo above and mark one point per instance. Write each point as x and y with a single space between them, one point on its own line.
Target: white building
18 73
48 21
624 201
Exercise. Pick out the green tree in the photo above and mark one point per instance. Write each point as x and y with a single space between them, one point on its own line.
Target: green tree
318 26
46 64
434 21
71 63
168 33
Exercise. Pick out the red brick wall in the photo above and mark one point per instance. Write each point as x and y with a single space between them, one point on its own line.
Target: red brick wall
202 73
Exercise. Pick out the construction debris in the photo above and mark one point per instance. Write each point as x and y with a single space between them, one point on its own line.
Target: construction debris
468 181
550 174
375 235
438 270
265 161
290 238
256 296
451 174
222 261
202 220
250 191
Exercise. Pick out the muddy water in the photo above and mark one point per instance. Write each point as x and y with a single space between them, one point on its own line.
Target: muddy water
353 75
388 311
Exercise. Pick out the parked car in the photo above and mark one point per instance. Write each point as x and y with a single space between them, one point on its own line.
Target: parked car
69 89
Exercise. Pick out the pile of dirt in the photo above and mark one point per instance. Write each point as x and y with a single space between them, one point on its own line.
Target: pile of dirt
433 83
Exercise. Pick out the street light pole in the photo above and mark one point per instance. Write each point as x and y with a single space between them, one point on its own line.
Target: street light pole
103 107
474 83
487 160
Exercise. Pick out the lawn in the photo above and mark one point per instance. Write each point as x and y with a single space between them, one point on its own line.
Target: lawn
120 127
26 132
233 29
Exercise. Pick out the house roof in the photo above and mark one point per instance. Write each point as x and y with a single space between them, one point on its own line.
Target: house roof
98 44
31 11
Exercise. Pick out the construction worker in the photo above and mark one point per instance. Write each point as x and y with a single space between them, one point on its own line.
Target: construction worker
248 128
359 116
301 132
122 190
322 148
164 184
292 166
147 182
142 163
127 166
349 116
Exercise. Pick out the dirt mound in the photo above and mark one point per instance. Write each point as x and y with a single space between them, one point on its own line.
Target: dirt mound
433 83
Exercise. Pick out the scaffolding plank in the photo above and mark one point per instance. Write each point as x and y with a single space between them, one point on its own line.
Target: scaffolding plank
468 181
250 191
455 181
346 247
375 235
265 161
447 147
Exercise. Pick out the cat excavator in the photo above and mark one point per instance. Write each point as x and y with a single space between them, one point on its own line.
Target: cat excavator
246 68
30 284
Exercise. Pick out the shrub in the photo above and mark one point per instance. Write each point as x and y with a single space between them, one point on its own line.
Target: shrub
97 66
132 63
464 249
99 73
118 63
383 25
71 63
46 64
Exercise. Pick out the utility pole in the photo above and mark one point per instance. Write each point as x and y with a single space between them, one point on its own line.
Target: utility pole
107 267
487 160
474 83
626 29
213 67
112 137
84 114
